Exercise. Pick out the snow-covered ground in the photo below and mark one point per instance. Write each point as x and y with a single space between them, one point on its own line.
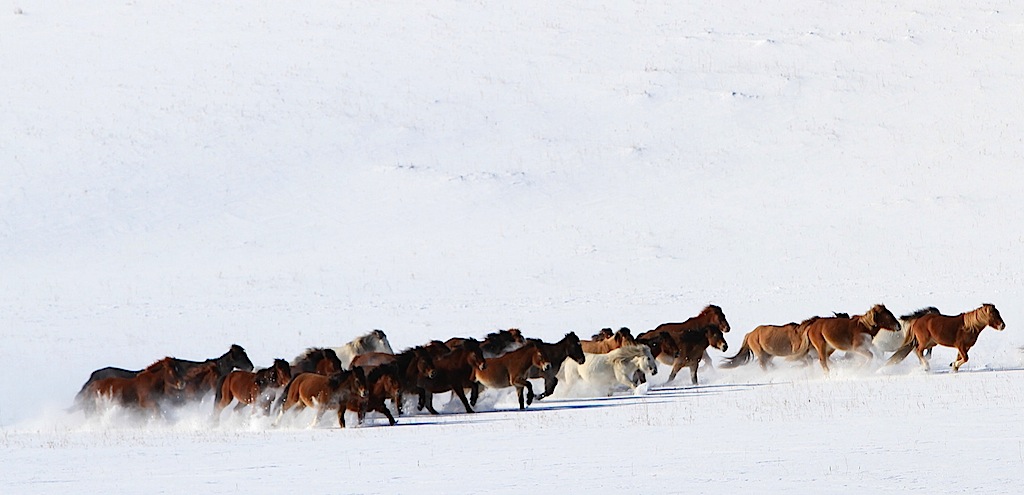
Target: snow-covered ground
178 177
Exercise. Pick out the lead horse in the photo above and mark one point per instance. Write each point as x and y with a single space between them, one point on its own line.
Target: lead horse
928 328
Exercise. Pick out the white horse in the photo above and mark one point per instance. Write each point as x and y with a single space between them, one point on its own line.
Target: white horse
374 341
606 372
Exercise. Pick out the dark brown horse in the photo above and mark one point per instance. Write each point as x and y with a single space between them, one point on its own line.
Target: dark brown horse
567 348
620 338
693 345
319 360
768 341
512 369
324 392
929 328
248 387
662 345
235 357
495 343
604 333
415 368
710 315
454 371
847 333
382 383
142 390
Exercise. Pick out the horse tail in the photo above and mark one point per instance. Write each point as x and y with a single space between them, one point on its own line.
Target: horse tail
279 400
219 389
910 340
742 357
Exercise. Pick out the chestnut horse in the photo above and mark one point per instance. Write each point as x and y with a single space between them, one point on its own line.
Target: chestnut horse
143 390
324 392
382 382
319 360
512 369
567 348
768 341
847 333
693 345
454 371
621 338
495 343
235 357
247 387
929 328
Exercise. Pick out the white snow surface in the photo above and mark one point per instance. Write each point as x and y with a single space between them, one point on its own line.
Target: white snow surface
179 176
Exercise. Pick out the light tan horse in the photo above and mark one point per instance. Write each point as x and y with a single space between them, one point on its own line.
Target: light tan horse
853 333
768 341
928 328
621 338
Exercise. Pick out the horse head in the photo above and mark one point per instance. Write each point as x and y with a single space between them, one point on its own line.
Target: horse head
991 317
881 318
282 372
424 364
516 335
605 333
716 339
649 364
174 375
575 351
715 316
539 360
360 387
624 337
475 355
239 359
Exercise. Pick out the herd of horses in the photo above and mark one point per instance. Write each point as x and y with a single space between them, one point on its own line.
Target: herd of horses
365 374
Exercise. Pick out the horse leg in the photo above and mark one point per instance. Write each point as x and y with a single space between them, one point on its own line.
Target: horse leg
550 381
427 399
462 396
529 392
474 393
961 358
693 371
341 415
919 351
706 359
383 409
519 394
676 366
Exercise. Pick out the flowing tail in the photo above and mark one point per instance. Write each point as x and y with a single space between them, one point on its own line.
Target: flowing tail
742 357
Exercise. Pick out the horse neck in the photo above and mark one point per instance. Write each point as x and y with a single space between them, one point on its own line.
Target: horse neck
972 321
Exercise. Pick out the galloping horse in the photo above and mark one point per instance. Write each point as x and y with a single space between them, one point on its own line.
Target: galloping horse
606 371
495 343
928 328
375 341
415 368
235 357
319 360
621 338
710 315
663 347
382 382
569 347
324 392
142 390
853 333
693 345
247 387
768 341
512 369
454 371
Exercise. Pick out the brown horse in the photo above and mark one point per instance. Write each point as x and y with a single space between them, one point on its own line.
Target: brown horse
495 343
247 387
319 360
324 392
710 315
847 333
567 348
512 369
620 338
693 345
454 371
382 382
235 357
143 390
415 368
768 341
662 346
929 328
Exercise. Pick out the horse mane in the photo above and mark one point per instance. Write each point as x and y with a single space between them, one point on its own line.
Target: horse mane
311 352
201 369
625 353
714 309
973 321
840 315
363 342
930 310
381 370
166 361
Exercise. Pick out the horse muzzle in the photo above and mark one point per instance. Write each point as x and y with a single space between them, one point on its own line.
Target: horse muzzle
547 366
481 366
